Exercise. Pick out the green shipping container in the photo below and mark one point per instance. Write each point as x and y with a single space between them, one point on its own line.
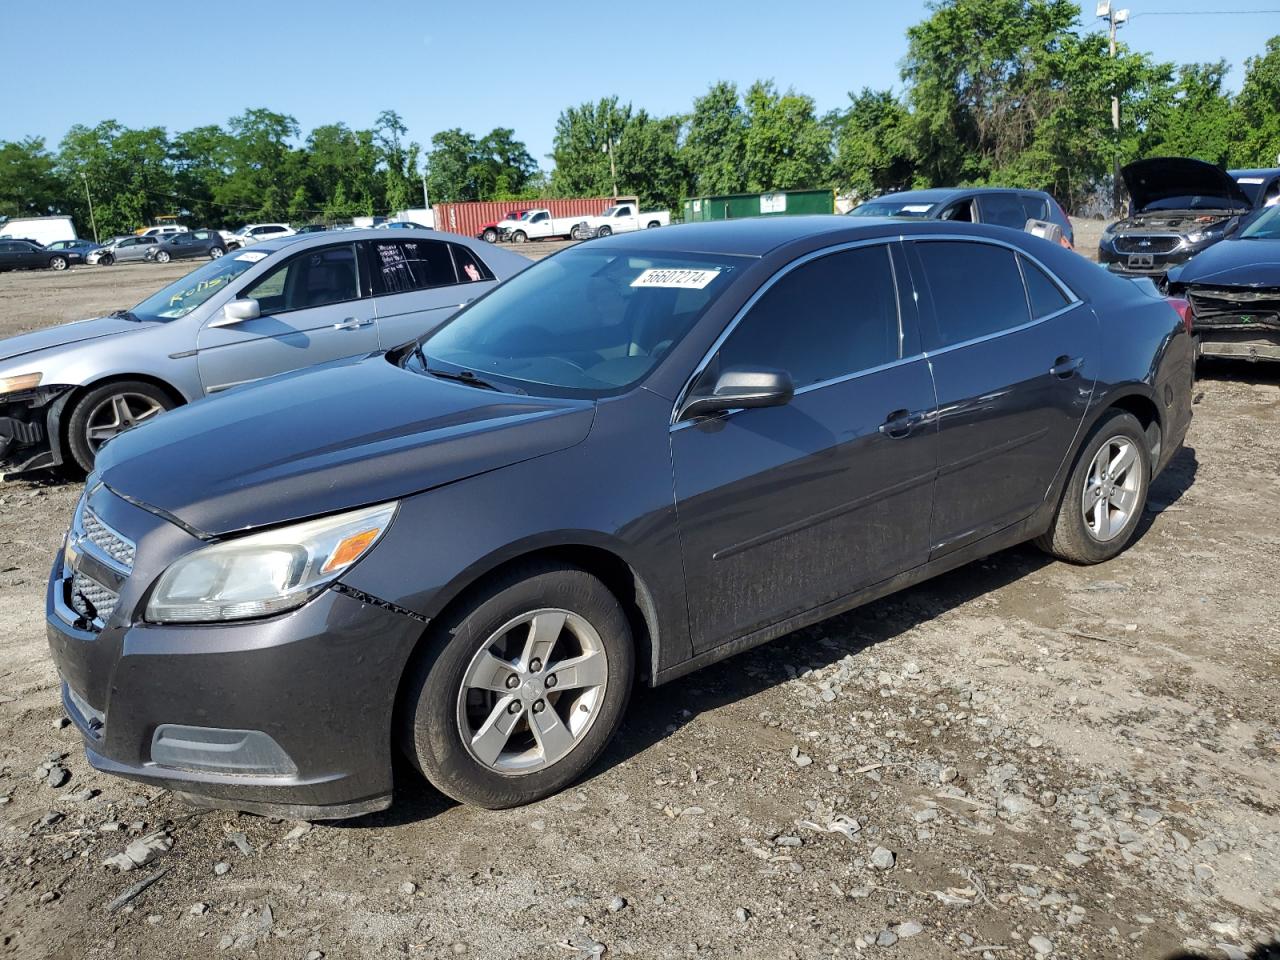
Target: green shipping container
780 203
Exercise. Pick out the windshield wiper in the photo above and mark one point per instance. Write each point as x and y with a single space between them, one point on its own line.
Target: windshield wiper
126 315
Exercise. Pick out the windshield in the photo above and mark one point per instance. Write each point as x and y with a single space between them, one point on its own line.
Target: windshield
893 208
1265 227
608 211
185 294
583 323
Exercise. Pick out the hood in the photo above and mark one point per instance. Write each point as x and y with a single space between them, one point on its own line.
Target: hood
78 331
1234 263
335 437
1161 178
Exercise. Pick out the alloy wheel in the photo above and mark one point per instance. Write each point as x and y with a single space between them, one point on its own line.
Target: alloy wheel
1112 489
116 414
532 691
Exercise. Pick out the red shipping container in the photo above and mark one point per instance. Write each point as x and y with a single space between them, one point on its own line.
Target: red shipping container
468 218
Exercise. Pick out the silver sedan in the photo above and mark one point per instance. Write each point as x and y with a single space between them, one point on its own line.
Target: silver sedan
278 306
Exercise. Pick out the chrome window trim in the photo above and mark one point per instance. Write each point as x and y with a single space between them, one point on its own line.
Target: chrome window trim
676 424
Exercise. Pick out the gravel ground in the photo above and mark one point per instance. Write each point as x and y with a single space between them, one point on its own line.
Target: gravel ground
1019 758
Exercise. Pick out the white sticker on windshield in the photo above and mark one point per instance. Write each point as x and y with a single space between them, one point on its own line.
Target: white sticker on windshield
917 208
681 279
251 256
1252 180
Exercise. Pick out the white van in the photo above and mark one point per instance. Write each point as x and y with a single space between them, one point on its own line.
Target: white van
43 230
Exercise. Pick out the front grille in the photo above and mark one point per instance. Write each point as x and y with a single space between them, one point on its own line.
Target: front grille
1245 306
107 540
1142 244
91 599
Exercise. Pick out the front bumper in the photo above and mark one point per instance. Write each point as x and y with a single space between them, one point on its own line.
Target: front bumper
290 716
1139 262
28 423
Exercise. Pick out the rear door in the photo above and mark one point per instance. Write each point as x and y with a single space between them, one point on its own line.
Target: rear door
315 308
1002 210
419 284
783 509
1014 358
9 254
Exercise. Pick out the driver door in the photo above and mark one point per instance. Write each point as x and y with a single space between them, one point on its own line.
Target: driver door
315 307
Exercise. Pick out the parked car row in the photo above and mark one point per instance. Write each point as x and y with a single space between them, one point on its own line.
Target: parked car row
469 532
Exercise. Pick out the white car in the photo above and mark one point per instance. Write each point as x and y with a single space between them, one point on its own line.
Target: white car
626 217
253 232
168 230
538 224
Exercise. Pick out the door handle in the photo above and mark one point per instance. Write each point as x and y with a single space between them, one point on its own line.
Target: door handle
899 424
352 323
1065 366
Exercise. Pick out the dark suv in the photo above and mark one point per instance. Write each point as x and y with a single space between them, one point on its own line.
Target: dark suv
1000 206
193 243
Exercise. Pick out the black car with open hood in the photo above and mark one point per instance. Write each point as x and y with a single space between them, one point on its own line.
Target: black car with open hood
1178 207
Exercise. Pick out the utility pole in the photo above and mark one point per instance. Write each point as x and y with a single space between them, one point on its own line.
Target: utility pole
1115 19
93 223
613 169
425 205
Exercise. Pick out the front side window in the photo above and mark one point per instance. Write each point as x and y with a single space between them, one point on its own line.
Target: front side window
312 279
585 323
828 318
1003 210
400 266
976 289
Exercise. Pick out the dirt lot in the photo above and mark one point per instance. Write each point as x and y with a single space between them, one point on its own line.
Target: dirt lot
1020 757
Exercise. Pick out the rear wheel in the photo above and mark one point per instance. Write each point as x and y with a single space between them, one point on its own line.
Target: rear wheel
521 689
57 263
653 224
215 252
108 411
1104 497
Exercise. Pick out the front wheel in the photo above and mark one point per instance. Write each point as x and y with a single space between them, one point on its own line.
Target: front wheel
1104 497
162 257
106 261
604 231
520 690
108 411
489 236
57 263
519 237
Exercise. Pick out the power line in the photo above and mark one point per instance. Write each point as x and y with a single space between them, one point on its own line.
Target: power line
1199 13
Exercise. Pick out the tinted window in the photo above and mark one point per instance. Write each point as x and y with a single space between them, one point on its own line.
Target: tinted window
976 288
825 319
1003 210
403 265
1035 208
470 267
1043 293
961 212
311 279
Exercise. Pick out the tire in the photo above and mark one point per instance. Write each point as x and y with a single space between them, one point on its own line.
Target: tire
106 260
653 224
519 237
1080 534
91 413
436 709
489 236
215 252
162 256
605 231
57 263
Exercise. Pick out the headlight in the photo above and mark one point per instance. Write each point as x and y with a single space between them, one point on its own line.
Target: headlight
23 381
265 573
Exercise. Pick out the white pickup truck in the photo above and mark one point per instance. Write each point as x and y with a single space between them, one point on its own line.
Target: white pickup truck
538 224
625 217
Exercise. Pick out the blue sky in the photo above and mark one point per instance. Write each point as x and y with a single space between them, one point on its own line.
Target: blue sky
478 64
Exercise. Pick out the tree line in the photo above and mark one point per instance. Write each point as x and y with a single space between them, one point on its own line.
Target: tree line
1010 92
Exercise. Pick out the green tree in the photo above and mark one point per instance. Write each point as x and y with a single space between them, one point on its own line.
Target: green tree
1258 118
128 172
264 172
585 137
1196 118
450 173
874 152
786 147
29 185
716 142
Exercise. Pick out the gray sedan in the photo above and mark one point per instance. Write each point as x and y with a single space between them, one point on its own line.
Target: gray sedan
279 306
122 250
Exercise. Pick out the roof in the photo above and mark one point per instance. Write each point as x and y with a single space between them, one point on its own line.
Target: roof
943 194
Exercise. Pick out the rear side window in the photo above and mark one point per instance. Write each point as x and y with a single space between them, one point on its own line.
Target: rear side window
1003 210
1035 208
976 290
1043 293
828 318
400 266
470 267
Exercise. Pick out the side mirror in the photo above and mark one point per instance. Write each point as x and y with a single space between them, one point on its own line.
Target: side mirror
738 388
1045 229
237 311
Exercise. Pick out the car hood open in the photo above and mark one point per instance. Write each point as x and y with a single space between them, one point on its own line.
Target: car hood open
78 331
335 437
1161 178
